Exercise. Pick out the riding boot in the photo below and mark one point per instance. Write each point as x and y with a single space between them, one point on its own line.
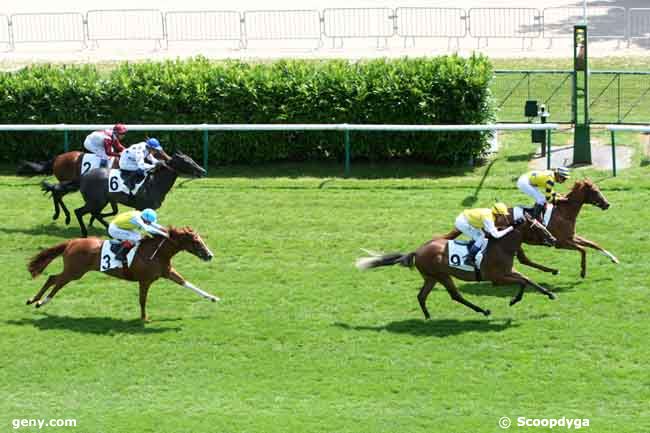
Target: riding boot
103 163
470 259
121 254
537 211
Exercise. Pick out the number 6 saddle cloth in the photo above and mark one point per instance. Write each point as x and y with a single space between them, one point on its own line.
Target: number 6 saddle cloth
116 183
107 259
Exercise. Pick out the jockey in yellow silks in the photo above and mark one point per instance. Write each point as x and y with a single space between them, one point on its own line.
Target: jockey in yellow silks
533 182
475 222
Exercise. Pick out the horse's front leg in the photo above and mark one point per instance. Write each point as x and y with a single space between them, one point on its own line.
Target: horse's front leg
524 260
570 244
178 279
591 244
144 289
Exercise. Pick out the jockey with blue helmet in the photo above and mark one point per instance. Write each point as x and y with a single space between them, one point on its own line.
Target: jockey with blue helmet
130 227
140 158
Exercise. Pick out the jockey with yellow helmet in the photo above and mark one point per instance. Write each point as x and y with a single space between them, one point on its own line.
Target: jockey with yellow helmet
533 182
474 223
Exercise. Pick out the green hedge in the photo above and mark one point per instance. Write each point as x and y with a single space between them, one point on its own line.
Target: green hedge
440 90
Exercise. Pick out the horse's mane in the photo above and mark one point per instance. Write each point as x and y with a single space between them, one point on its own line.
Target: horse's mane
175 232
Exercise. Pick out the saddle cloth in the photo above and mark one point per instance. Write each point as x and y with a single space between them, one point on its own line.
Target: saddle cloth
91 161
116 183
518 213
458 251
107 259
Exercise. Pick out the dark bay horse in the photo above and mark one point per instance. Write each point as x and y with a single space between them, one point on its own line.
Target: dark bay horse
432 260
152 261
94 189
67 169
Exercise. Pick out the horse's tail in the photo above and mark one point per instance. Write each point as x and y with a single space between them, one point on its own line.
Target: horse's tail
61 187
377 259
29 168
39 262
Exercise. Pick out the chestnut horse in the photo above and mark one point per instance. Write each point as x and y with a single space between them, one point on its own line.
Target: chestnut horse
432 260
152 261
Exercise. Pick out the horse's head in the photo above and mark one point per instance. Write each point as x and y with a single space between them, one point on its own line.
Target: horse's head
538 230
188 240
590 193
185 165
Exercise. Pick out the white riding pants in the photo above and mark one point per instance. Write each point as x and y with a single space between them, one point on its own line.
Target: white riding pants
123 235
523 183
96 148
467 229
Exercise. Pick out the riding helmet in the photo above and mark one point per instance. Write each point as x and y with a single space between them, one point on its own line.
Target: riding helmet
120 129
153 143
563 172
149 215
500 209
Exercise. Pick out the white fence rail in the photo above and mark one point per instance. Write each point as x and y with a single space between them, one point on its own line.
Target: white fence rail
346 128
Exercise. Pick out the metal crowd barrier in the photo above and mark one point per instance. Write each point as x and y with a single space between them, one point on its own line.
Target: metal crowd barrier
358 23
125 25
486 23
447 23
638 24
285 24
336 23
49 27
203 26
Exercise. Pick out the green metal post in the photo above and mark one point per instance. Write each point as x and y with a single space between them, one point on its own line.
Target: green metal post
613 154
66 141
346 135
205 150
581 119
619 98
548 149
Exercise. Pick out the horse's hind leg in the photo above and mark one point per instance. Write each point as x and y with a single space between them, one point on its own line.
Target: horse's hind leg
65 209
57 210
80 212
424 292
524 260
456 296
40 293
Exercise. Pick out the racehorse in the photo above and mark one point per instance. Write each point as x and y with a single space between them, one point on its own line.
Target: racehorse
67 168
562 226
151 262
432 260
94 188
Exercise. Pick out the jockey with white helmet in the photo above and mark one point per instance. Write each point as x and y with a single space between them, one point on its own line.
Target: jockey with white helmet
139 158
130 227
532 182
475 222
106 143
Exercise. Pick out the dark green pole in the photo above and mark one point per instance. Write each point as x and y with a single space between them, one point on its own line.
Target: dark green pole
205 150
66 141
581 120
613 154
548 150
346 135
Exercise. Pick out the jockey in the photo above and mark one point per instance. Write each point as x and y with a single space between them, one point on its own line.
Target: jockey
473 223
138 159
106 143
532 182
130 227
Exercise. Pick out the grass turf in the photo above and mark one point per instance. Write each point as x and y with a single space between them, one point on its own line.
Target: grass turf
302 341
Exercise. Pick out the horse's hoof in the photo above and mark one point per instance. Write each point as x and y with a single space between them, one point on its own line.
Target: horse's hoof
513 302
67 221
55 217
552 296
487 313
555 272
38 305
29 302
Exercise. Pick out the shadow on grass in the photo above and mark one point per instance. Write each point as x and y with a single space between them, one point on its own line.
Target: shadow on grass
472 199
434 327
487 289
61 231
521 157
93 325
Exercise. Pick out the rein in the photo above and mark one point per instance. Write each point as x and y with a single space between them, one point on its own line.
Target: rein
156 251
